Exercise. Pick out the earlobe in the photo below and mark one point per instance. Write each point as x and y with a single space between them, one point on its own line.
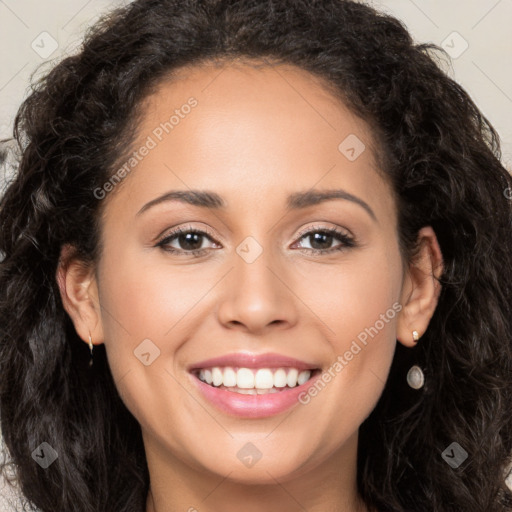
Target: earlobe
79 294
421 289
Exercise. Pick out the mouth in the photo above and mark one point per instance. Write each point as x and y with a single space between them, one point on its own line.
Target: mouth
255 381
253 386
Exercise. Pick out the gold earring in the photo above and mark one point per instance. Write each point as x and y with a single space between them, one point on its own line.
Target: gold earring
90 348
415 336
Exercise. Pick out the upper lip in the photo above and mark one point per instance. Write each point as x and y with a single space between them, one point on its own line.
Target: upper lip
249 360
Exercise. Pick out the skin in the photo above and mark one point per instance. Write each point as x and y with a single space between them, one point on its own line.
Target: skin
255 136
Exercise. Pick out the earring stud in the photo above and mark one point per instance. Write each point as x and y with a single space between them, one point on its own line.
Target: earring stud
415 336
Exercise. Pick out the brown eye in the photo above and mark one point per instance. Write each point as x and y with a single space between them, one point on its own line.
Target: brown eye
321 240
189 241
186 241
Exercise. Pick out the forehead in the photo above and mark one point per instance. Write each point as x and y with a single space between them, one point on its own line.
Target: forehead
265 130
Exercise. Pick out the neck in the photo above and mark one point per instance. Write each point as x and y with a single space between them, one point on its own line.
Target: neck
328 485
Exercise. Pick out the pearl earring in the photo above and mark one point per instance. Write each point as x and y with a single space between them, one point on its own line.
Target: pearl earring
415 377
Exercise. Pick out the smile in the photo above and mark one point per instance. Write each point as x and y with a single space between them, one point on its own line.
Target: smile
253 386
254 381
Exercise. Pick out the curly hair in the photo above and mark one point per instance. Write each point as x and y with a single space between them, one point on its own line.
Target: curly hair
439 152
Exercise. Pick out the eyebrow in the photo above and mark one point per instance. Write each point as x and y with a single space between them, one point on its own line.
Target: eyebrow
295 201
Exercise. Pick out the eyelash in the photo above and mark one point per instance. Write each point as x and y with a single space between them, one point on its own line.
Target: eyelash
347 241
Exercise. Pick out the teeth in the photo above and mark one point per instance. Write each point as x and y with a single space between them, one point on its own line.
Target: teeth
280 378
217 376
254 381
291 378
264 379
245 378
247 391
229 377
303 377
252 391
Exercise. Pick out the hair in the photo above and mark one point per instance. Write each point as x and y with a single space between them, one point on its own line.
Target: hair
439 153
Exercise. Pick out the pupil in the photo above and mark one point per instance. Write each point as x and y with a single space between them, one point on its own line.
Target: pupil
327 238
189 239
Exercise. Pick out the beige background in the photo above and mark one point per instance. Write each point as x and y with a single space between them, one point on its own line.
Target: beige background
484 68
475 32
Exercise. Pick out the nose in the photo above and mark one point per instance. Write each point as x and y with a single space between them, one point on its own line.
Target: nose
257 297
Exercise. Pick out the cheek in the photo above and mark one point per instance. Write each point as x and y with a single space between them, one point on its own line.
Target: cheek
357 304
351 296
145 297
145 309
148 306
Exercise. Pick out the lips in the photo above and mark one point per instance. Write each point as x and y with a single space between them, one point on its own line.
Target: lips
248 360
253 385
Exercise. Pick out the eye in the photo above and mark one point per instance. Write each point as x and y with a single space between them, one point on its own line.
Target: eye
320 240
190 241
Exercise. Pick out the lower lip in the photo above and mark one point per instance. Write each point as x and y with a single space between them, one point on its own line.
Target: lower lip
253 406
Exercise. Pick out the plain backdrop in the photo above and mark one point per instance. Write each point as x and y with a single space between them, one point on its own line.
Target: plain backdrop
475 33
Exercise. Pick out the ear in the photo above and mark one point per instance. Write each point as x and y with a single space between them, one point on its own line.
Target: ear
421 288
79 294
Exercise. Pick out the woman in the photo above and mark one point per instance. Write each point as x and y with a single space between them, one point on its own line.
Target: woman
281 235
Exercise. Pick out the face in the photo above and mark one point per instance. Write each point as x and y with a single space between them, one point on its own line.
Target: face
265 265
